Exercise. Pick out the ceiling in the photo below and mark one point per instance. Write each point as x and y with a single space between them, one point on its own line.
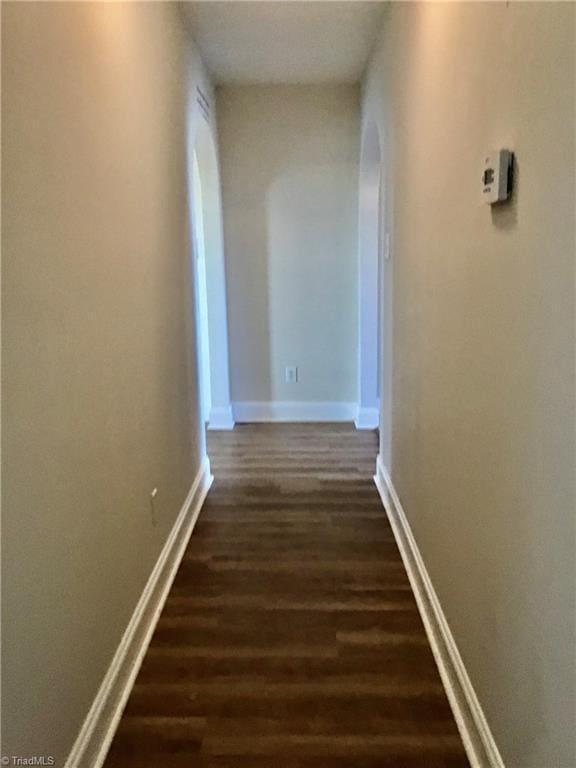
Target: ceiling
280 41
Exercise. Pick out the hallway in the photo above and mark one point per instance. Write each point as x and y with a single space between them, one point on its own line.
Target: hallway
288 384
290 636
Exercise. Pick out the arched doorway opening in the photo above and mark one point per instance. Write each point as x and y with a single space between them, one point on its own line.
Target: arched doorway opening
375 296
370 210
210 283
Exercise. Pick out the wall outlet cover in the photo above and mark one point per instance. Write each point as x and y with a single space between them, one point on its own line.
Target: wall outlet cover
291 374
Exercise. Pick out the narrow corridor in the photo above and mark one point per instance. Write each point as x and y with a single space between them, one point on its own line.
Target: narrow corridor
290 636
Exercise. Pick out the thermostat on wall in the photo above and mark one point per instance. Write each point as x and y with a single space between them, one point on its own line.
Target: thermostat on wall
497 176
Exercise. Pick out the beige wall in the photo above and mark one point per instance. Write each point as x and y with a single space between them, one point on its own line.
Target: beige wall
99 377
289 157
483 427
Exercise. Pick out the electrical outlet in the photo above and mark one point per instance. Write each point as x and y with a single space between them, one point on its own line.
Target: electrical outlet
153 495
291 374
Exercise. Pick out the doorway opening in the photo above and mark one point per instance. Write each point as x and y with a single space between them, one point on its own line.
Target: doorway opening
369 320
201 295
209 283
375 296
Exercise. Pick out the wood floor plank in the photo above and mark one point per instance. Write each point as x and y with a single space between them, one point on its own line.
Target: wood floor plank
290 637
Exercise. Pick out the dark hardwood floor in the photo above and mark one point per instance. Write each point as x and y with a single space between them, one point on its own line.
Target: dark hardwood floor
290 638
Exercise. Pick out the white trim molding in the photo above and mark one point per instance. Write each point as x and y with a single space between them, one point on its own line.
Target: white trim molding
221 417
294 411
95 737
367 418
470 719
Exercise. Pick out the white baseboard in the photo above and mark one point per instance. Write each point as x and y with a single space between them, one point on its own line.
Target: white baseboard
293 411
367 418
478 740
221 417
95 737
